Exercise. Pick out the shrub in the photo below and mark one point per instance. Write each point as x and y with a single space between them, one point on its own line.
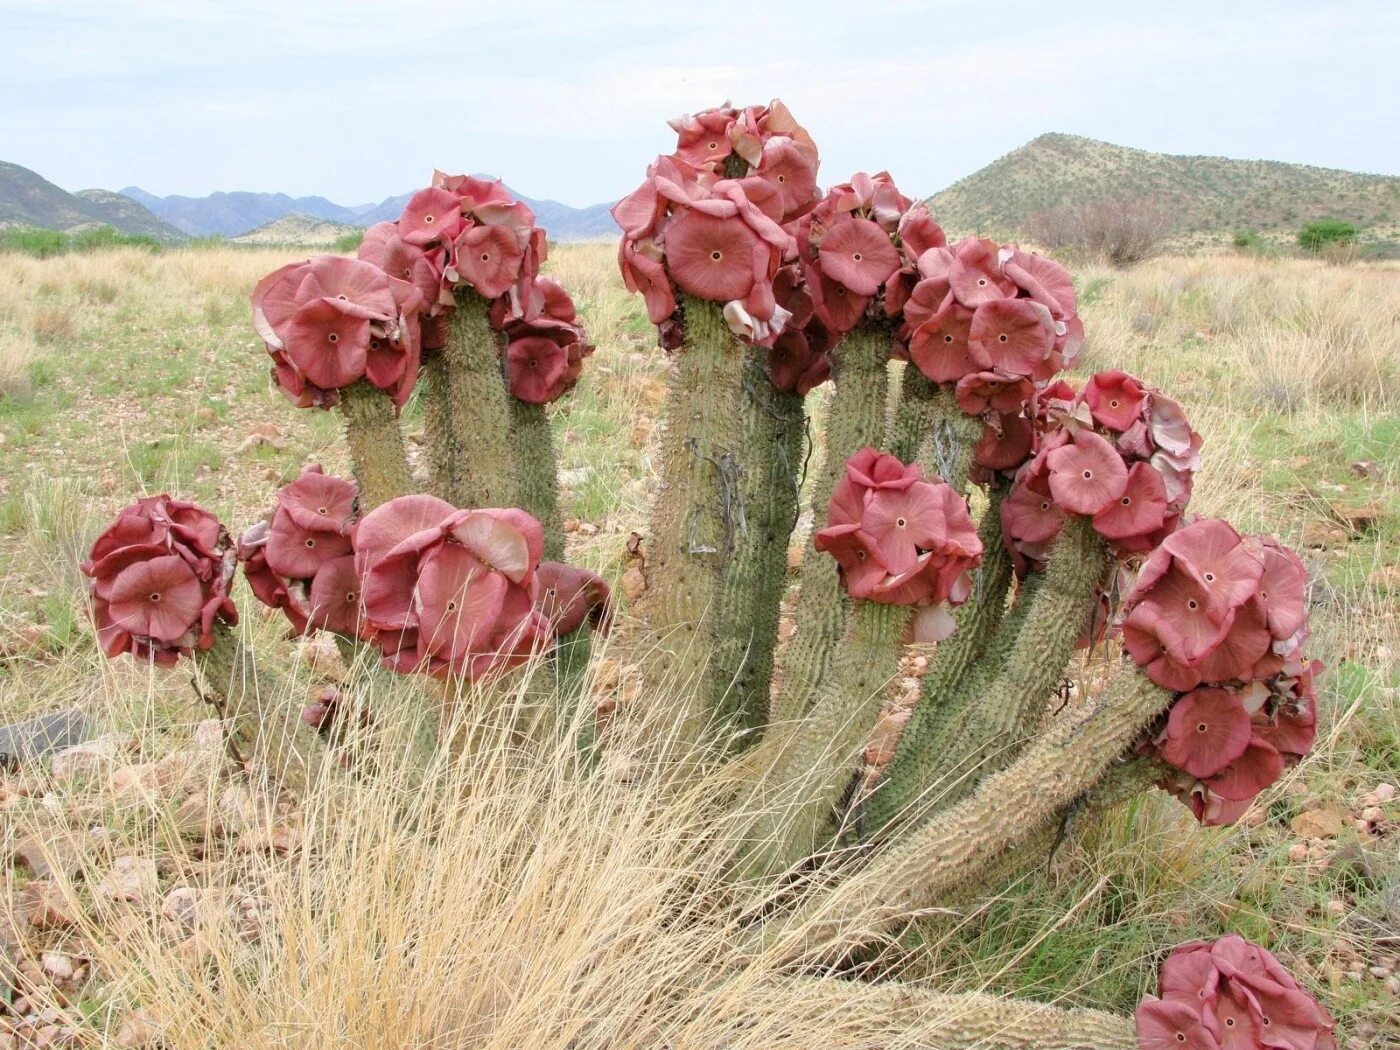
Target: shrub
348 242
1325 234
1119 231
43 244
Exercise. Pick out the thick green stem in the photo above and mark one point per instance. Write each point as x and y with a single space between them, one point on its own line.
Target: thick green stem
1067 760
977 621
815 761
443 455
996 704
896 1013
693 526
860 373
262 723
772 427
537 472
376 444
912 414
483 474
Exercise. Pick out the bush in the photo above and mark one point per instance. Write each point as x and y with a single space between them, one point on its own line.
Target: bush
349 243
45 243
1326 234
1248 240
1120 231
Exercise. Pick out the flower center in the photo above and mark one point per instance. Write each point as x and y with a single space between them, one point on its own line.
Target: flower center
782 179
350 597
310 543
860 555
900 522
533 363
856 256
1127 501
428 218
343 297
1201 727
1088 475
981 282
451 606
155 597
407 272
1229 1022
321 510
1045 504
714 145
948 338
1001 338
1210 577
1113 403
333 338
1193 605
716 255
1181 1037
1264 595
485 256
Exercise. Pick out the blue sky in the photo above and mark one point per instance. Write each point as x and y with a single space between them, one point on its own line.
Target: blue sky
356 100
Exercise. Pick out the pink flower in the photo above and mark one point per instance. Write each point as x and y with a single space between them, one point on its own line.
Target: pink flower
1231 994
1011 335
569 596
899 539
160 580
1206 731
1116 399
450 592
858 254
939 346
1086 474
711 258
983 392
299 559
1138 513
331 321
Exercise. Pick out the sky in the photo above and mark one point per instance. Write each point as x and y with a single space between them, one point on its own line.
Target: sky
357 101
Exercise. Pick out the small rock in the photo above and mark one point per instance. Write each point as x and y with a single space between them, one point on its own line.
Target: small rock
206 415
132 880
46 857
181 910
1373 814
575 477
92 756
138 1031
1336 909
1365 468
1379 794
1298 852
587 528
1317 824
46 906
209 736
140 781
57 965
320 655
253 442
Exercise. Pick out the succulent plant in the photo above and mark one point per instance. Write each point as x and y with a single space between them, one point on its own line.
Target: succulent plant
991 508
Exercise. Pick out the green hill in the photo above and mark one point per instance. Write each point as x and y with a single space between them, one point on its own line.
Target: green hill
1203 194
28 199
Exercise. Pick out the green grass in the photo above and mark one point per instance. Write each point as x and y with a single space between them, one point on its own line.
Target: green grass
43 244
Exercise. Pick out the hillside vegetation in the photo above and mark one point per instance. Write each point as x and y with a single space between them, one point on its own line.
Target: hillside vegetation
1203 194
28 199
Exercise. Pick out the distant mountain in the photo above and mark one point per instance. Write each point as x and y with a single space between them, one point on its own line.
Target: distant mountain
233 214
1204 194
301 230
28 199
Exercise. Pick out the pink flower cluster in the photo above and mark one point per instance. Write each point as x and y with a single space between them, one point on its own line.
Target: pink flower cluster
1222 619
450 592
300 560
709 218
860 249
545 345
570 595
160 580
898 538
994 311
331 321
1118 452
1231 995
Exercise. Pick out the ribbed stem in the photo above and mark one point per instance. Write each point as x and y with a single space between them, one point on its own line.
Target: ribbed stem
1007 807
772 428
537 472
443 455
816 759
913 414
483 474
263 724
993 709
693 518
860 373
977 622
571 655
376 444
898 1014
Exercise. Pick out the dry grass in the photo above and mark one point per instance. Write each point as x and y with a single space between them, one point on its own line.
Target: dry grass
502 902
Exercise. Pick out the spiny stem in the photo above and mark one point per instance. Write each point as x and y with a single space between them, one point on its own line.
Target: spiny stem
860 373
536 472
694 525
261 722
482 473
817 759
376 444
1069 758
772 427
